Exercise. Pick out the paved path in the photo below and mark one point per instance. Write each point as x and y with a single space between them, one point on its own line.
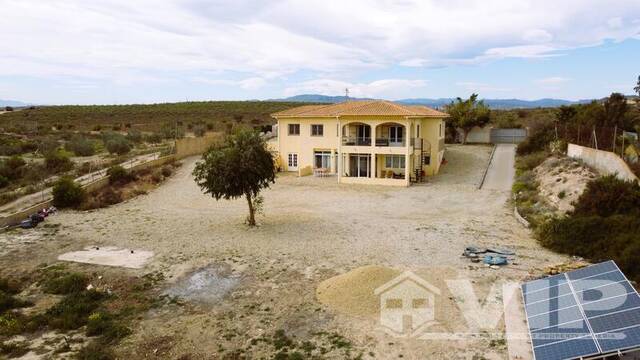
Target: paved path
502 168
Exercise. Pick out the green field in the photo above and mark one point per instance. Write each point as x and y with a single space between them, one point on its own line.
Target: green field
142 117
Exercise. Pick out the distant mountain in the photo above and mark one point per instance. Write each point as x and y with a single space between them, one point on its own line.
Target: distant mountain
13 103
439 103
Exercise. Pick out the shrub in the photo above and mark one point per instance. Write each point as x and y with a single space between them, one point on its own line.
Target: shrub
134 136
3 181
539 138
199 130
95 351
154 138
81 146
74 309
12 168
67 193
166 171
58 161
8 108
64 283
97 128
209 126
608 196
104 324
117 145
110 197
531 161
119 175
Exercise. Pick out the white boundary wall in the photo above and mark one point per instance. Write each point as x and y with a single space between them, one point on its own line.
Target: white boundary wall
604 161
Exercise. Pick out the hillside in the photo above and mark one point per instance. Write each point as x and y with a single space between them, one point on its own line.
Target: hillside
441 102
144 117
12 103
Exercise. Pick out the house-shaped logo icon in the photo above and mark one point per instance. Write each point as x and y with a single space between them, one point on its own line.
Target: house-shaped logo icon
407 305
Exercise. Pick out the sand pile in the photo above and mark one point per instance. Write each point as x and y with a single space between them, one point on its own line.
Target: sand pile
353 293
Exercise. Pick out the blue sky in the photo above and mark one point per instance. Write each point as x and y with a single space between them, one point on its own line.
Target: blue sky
145 51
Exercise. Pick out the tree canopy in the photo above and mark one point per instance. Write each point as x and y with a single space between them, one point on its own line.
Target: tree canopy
240 166
467 114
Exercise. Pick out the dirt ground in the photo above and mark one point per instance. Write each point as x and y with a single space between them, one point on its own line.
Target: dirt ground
562 180
313 229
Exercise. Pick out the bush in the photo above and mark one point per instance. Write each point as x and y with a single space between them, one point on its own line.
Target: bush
119 175
199 130
117 144
166 171
58 161
64 283
81 146
531 161
12 168
67 193
104 324
95 351
74 309
3 181
154 138
540 136
608 196
134 136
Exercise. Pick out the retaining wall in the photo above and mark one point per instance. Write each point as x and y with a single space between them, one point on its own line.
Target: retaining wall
196 146
605 162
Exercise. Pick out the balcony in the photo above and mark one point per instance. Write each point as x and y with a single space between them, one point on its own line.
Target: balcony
384 142
356 141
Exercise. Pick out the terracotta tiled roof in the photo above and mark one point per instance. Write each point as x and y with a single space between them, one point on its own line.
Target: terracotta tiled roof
364 107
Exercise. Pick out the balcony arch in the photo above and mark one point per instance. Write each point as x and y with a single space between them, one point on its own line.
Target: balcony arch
391 133
357 133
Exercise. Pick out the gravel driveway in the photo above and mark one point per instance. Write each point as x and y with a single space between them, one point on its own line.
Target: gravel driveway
313 229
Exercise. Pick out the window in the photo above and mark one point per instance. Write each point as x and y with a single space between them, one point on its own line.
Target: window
394 161
322 159
418 131
317 130
427 160
294 129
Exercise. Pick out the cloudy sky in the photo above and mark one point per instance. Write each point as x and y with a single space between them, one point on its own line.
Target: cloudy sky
142 51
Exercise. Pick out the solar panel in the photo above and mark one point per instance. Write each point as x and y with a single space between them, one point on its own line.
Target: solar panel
586 312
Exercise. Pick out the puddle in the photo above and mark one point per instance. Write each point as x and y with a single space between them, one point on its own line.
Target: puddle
206 285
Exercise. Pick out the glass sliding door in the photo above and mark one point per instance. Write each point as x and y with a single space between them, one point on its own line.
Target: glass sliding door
396 136
359 165
322 159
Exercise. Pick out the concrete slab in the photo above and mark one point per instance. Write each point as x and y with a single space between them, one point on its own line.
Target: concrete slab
515 321
109 256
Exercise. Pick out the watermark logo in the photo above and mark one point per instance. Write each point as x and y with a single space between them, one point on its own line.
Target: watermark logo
407 305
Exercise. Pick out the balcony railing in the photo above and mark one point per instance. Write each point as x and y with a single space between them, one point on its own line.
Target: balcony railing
390 142
356 141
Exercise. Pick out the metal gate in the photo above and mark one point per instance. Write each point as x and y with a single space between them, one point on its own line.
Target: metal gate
508 136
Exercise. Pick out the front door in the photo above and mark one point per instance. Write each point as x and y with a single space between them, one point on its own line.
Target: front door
359 165
292 162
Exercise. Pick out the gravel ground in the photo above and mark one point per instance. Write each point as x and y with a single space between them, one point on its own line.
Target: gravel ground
313 229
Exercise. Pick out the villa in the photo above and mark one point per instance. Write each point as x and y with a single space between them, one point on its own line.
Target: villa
365 142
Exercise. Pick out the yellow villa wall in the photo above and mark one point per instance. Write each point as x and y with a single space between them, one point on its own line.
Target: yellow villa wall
305 144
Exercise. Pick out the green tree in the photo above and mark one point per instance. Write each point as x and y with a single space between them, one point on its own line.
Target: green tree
67 193
637 88
467 114
241 166
566 114
615 108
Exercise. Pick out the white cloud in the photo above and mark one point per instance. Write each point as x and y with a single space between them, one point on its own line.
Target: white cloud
553 83
387 88
252 83
127 41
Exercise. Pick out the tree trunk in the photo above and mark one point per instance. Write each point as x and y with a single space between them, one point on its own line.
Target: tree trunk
252 219
465 133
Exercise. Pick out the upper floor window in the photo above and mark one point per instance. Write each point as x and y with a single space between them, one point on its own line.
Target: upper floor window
294 129
317 130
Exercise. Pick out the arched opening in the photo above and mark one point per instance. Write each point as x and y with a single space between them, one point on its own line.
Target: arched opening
391 134
356 134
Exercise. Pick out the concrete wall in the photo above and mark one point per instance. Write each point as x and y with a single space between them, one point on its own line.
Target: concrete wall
477 135
196 146
604 161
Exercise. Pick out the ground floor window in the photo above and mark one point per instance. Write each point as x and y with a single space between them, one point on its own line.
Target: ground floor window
292 161
322 159
394 161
